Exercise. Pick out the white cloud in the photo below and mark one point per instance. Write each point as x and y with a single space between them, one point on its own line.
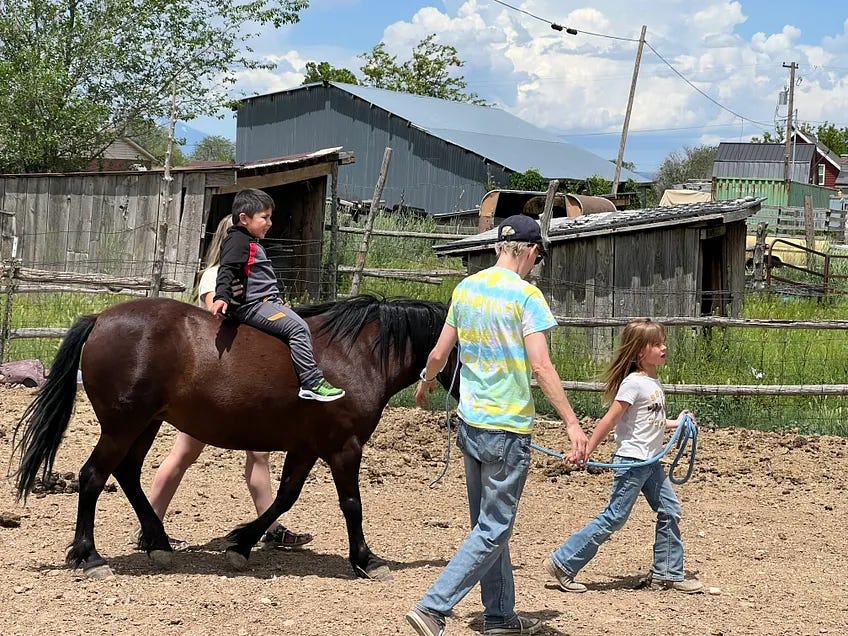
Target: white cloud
580 83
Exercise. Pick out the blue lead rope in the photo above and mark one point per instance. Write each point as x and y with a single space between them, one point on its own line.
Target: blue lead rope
685 433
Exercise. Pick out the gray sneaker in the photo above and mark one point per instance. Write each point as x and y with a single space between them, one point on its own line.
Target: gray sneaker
687 586
517 625
566 581
426 623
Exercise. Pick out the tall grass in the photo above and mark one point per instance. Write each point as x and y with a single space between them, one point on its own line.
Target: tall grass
58 309
390 252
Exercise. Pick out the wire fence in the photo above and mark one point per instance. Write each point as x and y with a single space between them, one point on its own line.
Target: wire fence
782 365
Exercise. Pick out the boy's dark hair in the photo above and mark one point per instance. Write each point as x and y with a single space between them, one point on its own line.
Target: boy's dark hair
249 202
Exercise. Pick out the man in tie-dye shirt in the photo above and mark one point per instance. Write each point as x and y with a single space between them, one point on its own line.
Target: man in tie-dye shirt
499 321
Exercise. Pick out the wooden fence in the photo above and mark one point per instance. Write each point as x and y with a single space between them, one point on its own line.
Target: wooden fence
795 221
23 280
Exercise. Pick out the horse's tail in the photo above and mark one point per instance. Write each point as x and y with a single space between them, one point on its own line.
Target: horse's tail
45 420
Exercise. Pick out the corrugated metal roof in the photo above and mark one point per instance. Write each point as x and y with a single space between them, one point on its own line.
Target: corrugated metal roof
490 132
620 221
760 170
762 161
728 151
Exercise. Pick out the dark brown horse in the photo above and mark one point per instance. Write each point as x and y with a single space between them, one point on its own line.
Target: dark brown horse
154 360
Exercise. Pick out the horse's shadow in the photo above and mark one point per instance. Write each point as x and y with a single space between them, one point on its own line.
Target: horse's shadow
264 563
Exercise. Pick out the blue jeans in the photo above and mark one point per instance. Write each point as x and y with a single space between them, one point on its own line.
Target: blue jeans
496 464
573 555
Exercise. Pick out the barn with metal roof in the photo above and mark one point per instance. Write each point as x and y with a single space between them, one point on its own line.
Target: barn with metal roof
445 155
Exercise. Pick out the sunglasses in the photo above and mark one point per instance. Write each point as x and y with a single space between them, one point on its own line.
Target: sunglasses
540 254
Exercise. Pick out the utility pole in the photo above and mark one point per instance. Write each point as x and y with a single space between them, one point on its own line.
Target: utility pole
627 114
788 147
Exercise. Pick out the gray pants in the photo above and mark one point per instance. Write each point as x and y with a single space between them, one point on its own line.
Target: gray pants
273 317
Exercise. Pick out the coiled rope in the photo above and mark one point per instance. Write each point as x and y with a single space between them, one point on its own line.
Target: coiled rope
685 434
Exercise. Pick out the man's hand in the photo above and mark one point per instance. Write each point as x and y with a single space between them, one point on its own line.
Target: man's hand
219 308
579 453
422 390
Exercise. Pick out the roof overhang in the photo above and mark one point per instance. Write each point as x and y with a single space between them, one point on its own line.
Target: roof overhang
619 222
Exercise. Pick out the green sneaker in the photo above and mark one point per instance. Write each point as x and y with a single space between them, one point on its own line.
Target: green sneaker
322 391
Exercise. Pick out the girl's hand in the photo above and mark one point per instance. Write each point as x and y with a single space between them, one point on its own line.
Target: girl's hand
219 308
673 424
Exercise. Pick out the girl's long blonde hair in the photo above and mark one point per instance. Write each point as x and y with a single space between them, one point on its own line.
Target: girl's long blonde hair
213 252
634 337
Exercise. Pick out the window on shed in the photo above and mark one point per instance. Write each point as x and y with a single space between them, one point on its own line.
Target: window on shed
820 178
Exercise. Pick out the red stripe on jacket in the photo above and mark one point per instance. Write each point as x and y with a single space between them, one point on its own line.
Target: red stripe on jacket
251 259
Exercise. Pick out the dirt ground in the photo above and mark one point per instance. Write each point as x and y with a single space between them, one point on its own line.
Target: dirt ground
763 524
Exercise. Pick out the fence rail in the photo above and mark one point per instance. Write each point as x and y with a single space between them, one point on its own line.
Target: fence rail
792 221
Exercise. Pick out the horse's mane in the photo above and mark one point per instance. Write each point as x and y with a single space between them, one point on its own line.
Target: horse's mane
402 321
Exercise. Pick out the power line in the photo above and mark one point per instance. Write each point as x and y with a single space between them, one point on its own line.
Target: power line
559 27
685 79
657 53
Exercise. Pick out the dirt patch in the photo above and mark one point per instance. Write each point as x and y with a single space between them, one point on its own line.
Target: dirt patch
763 520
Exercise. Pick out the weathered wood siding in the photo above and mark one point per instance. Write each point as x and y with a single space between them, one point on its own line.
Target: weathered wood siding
671 271
108 222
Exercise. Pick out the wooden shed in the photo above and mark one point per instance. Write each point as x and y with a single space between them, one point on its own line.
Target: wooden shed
109 222
683 260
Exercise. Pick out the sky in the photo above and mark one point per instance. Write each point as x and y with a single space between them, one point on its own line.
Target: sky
577 86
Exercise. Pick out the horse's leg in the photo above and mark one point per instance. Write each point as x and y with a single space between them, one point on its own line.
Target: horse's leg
128 475
295 470
345 468
107 454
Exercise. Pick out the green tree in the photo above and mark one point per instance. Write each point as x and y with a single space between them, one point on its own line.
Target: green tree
74 74
778 137
215 148
833 137
431 71
325 72
531 180
677 167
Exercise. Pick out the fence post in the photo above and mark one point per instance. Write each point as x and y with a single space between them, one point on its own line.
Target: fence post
547 213
334 232
159 263
759 253
809 226
11 275
369 224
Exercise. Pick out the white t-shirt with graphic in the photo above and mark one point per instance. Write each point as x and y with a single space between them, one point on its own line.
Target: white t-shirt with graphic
640 432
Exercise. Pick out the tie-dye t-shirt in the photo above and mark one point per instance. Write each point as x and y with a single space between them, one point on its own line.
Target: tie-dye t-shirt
493 310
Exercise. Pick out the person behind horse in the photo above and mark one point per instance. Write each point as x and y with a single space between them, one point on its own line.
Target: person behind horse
499 321
637 412
247 290
186 449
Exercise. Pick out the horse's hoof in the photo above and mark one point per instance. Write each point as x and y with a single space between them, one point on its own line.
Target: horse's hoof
99 572
162 558
380 573
236 559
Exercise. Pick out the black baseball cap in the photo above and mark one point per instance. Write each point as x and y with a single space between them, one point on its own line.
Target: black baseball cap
522 229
